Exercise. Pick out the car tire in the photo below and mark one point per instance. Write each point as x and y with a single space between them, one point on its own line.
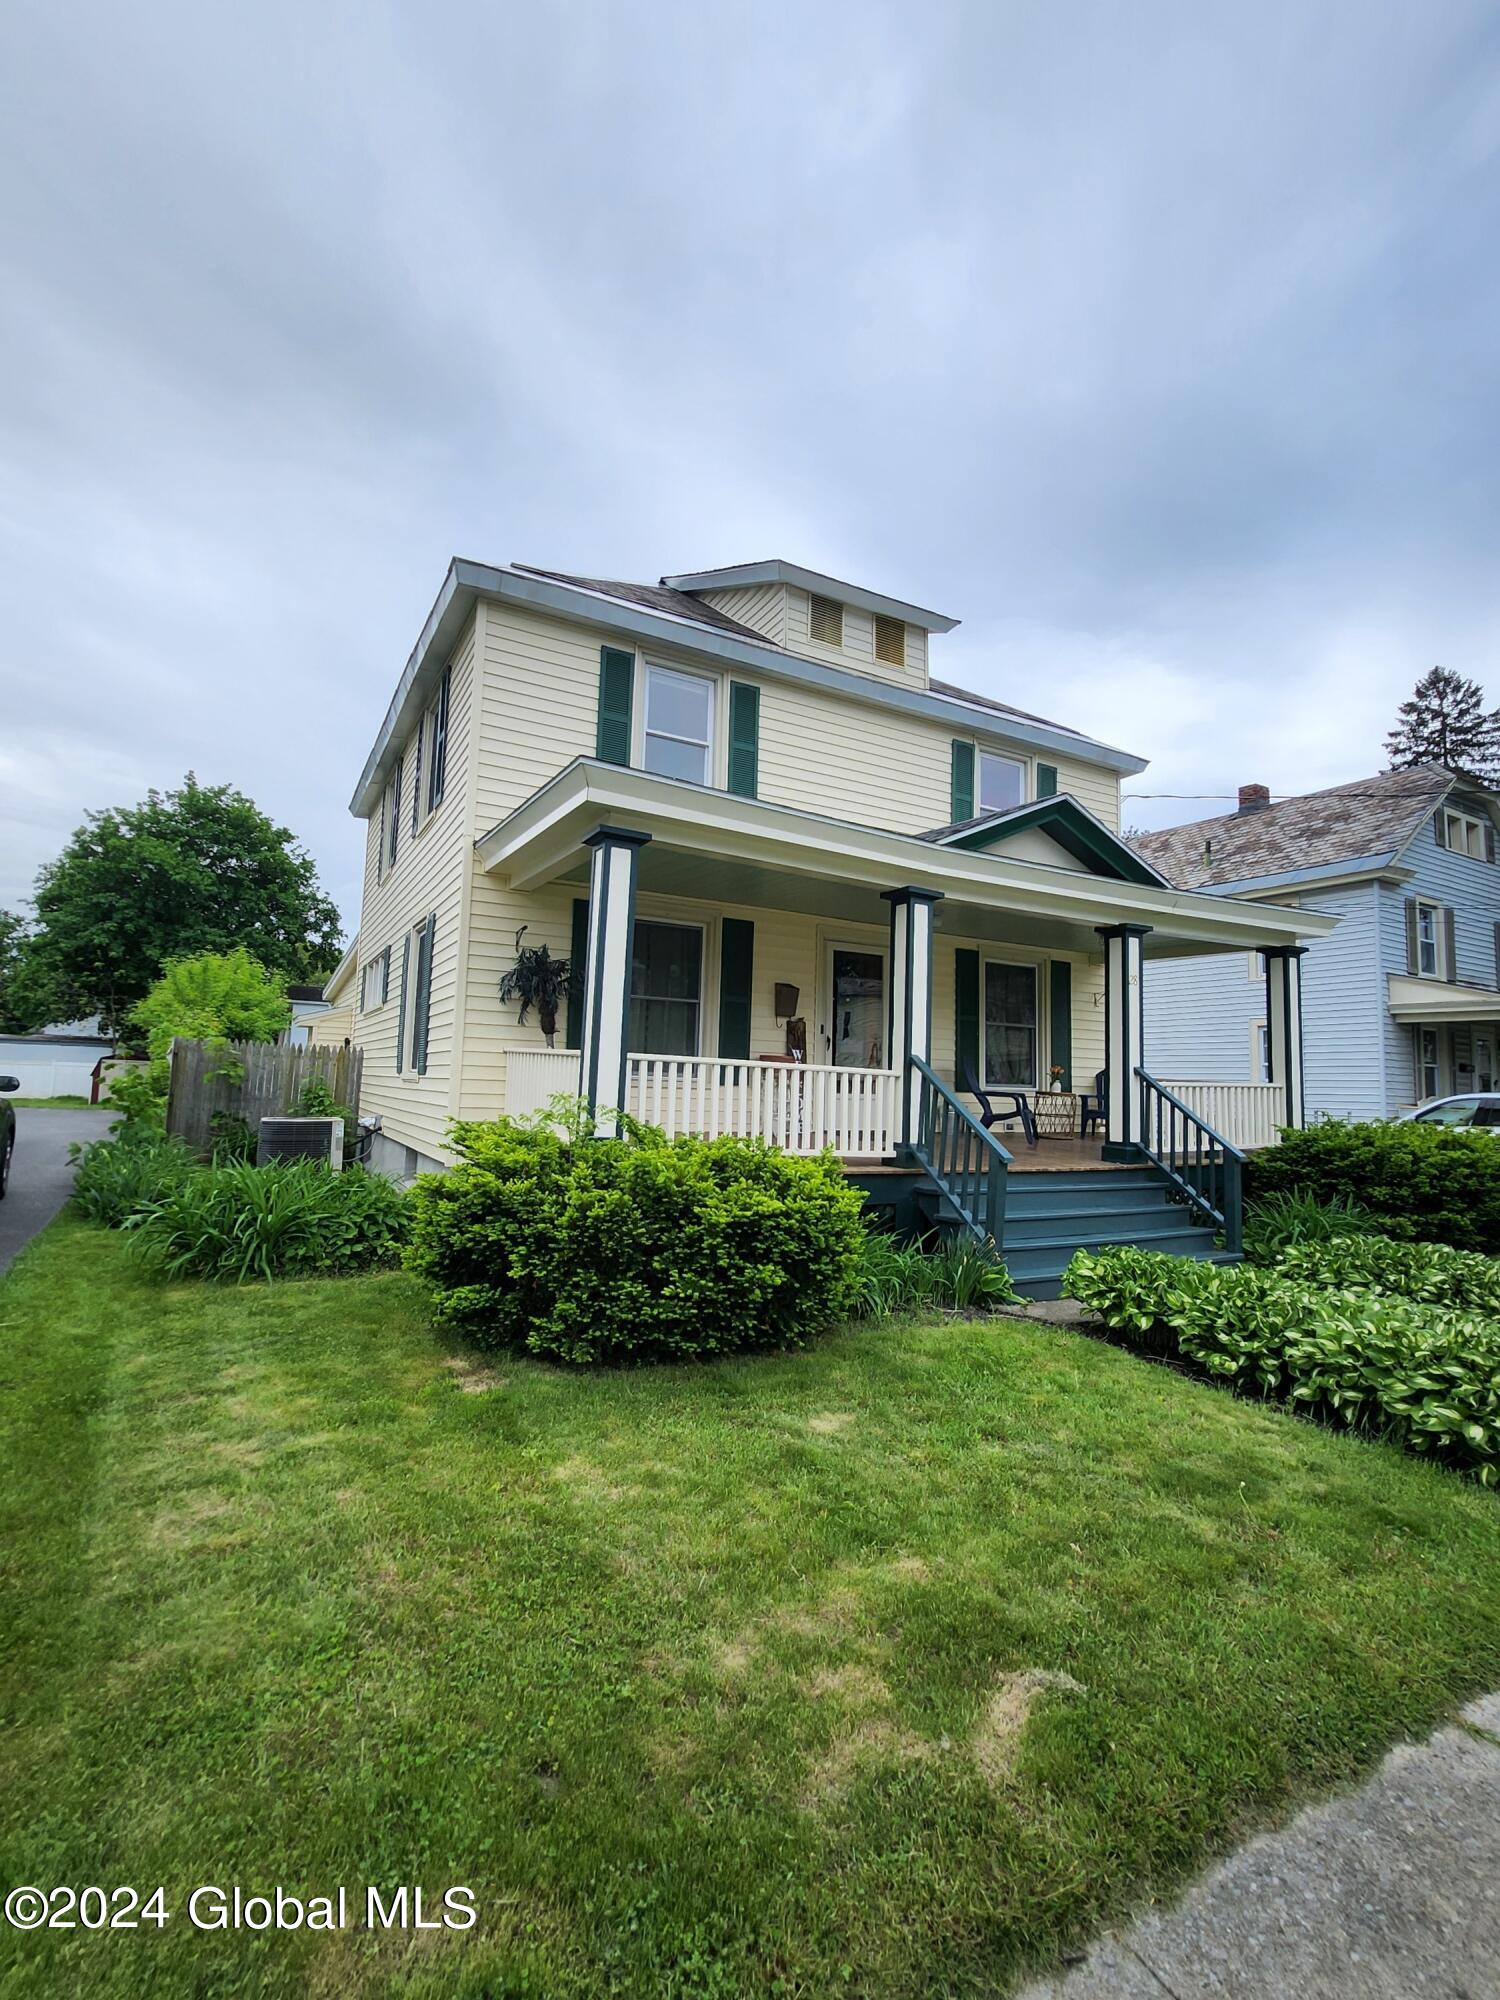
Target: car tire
5 1166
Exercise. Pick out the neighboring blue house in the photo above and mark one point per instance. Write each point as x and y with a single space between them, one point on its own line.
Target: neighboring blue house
1400 1003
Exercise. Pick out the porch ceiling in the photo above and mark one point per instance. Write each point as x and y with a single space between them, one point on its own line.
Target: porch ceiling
713 846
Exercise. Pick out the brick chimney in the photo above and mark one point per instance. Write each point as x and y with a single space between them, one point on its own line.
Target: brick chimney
1254 798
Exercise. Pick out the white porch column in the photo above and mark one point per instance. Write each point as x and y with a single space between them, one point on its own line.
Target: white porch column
1284 1026
606 989
910 1011
1123 1039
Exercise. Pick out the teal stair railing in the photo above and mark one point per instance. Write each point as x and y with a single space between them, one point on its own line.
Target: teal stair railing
967 1163
1199 1162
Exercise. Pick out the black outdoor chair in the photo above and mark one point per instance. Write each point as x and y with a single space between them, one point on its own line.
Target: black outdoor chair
1091 1105
991 1100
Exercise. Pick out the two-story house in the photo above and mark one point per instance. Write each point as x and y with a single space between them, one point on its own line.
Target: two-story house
804 883
1402 1002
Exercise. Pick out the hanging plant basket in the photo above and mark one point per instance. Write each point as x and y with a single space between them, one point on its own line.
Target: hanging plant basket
538 980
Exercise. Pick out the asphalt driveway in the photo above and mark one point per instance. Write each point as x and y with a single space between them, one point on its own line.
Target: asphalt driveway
40 1177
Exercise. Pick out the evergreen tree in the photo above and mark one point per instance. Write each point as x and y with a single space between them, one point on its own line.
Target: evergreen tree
1445 722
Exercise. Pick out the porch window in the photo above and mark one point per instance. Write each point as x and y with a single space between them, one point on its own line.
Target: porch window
1429 1082
679 724
1010 1015
1429 918
666 989
1002 782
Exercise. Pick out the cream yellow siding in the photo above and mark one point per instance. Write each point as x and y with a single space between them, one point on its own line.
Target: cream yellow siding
332 1026
761 606
858 649
432 867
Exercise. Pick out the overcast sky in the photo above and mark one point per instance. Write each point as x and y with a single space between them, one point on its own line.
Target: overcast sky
1156 342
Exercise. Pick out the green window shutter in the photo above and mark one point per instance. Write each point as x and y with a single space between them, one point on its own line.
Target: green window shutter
961 803
1060 1019
736 969
1450 948
966 1016
1046 781
744 739
401 1004
616 680
1413 962
1440 828
578 958
422 1003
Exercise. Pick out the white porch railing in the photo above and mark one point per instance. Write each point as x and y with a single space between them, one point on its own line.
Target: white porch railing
534 1075
1246 1114
801 1107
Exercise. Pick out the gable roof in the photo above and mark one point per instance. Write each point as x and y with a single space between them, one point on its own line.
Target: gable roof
1074 828
1371 819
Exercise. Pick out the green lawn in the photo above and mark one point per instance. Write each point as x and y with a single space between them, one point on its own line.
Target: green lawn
891 1668
57 1104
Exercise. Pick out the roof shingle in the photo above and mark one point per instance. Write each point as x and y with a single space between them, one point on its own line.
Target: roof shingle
1370 817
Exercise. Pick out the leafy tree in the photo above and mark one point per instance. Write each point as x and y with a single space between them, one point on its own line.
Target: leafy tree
1445 722
13 1018
200 869
217 996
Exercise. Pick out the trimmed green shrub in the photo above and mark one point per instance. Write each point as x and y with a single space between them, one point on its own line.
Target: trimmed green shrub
1420 1374
114 1178
1280 1219
1421 1182
606 1250
288 1219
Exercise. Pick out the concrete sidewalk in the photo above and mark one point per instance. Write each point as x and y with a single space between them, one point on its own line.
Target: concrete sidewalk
1390 1893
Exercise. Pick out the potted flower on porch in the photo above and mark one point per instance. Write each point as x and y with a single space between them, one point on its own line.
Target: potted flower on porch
539 980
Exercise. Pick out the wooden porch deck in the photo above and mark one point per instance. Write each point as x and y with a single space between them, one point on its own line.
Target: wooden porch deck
1048 1156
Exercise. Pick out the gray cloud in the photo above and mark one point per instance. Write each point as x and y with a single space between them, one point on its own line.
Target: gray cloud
1157 343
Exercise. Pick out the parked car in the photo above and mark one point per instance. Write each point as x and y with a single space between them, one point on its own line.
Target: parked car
1476 1108
7 1131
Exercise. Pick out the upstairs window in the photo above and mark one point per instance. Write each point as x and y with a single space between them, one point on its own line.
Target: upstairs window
390 821
1462 833
678 738
1002 782
375 982
435 734
890 641
827 621
1429 932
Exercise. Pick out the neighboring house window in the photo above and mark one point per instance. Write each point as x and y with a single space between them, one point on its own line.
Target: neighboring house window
666 989
1463 833
890 641
1010 1018
390 821
826 621
375 982
1429 939
679 730
1002 782
1429 1082
1260 1042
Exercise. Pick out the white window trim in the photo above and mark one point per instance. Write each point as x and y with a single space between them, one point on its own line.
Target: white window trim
1260 1059
708 935
426 726
381 958
1469 822
1424 903
1038 969
718 745
1025 765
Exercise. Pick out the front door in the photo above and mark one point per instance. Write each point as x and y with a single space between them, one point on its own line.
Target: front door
854 1032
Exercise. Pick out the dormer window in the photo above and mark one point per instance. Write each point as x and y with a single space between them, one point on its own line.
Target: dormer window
1462 833
890 640
827 621
1002 782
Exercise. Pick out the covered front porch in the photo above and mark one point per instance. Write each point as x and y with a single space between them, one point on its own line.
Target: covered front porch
755 970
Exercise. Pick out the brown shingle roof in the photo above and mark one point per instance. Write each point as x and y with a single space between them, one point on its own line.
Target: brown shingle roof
651 597
1370 817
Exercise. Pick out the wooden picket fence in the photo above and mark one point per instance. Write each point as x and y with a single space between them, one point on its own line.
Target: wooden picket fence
251 1080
